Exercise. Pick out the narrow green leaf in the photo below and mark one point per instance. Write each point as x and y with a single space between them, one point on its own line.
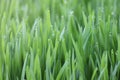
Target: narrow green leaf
24 68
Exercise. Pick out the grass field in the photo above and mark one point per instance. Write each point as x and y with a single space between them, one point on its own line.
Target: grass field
59 39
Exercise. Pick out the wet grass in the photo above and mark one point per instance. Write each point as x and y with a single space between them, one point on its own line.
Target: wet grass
59 40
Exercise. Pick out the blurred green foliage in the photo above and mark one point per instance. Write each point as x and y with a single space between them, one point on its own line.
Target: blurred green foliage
59 40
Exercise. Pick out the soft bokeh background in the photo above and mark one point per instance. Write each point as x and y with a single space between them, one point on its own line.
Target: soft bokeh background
59 39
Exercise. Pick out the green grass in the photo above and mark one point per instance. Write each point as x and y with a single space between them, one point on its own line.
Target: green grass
59 40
